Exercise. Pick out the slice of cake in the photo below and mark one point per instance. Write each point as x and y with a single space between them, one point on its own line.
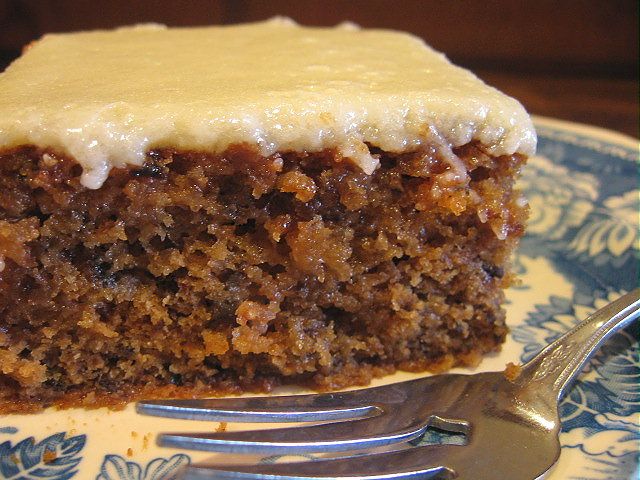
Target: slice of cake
214 210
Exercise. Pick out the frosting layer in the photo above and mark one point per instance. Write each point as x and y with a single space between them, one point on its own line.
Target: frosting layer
108 97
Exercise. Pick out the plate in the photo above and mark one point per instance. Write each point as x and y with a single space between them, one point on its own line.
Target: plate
580 252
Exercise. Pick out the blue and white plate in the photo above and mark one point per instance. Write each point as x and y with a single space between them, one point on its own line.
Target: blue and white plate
581 251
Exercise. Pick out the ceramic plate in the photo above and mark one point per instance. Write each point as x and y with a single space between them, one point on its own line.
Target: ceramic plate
580 252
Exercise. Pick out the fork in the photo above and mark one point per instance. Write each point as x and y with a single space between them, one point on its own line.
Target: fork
511 425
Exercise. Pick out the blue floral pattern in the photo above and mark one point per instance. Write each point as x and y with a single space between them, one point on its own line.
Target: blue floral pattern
115 467
585 219
611 234
558 201
54 458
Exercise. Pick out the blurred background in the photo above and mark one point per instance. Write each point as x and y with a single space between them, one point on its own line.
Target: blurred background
574 60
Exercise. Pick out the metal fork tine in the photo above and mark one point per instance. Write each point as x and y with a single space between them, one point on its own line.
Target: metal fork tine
511 425
330 437
291 408
427 462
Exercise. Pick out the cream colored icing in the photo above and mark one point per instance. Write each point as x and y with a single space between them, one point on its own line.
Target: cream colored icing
108 97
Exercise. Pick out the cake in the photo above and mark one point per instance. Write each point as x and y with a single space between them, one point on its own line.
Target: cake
204 211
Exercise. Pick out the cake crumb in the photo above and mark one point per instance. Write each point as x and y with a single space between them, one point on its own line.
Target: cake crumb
134 434
222 427
129 452
49 456
512 371
145 441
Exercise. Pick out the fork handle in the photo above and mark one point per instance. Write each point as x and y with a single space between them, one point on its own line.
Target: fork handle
556 366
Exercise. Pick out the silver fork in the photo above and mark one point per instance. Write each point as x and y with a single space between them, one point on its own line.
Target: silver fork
511 425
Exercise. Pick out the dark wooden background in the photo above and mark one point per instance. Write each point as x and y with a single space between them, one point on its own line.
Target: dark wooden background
574 60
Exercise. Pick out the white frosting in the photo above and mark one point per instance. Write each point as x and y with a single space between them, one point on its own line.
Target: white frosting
108 97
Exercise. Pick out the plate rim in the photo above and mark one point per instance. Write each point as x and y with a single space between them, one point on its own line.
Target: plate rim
593 131
563 126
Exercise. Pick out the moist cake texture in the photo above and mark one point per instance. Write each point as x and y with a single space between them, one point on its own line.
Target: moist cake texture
213 210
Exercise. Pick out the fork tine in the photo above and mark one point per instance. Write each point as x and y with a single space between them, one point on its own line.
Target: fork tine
425 462
290 408
330 437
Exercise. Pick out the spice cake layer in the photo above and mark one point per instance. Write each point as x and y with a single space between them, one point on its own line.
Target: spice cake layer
213 210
